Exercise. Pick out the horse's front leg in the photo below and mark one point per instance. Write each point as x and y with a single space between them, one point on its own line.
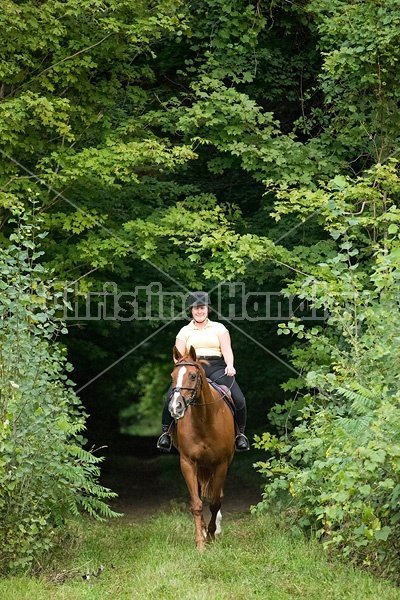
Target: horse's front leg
189 472
214 526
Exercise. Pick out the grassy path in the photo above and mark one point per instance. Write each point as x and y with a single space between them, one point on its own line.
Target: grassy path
156 559
152 557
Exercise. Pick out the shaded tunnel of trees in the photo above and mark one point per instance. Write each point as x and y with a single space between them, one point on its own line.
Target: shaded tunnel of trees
246 148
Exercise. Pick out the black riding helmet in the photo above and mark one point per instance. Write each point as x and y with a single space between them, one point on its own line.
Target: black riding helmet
198 299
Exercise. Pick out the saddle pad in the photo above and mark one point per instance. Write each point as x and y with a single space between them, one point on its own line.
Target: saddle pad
225 393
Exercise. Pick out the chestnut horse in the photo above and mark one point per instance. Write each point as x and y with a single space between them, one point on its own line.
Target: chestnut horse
205 439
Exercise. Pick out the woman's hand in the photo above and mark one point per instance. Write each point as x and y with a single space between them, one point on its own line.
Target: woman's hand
230 371
226 349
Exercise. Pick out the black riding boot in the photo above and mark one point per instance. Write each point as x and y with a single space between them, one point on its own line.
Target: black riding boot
164 442
241 442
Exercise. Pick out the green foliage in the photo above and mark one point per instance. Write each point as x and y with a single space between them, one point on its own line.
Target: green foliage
46 477
338 460
73 91
359 76
151 385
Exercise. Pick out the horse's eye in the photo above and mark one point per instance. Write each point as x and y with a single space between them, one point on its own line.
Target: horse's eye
192 376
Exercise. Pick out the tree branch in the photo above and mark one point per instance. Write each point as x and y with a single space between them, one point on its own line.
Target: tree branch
75 54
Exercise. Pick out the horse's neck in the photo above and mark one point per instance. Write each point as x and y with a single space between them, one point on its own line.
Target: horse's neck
206 391
206 403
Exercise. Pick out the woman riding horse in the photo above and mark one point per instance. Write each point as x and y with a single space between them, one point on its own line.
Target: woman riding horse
212 342
204 436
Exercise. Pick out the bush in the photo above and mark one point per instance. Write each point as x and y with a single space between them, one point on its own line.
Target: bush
45 474
337 465
341 477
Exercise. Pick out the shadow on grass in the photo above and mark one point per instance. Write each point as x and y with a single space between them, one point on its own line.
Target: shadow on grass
148 481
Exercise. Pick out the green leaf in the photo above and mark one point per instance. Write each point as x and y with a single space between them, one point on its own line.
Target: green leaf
383 534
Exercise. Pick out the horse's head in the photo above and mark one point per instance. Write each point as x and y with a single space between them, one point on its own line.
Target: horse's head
186 380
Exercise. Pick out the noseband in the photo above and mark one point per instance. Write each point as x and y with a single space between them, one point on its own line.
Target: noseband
178 389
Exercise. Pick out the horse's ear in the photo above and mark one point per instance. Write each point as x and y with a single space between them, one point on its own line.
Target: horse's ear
176 354
192 354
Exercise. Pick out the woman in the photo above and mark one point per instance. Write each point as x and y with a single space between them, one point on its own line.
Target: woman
211 340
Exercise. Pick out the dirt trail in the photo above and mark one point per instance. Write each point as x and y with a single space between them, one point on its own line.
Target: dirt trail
148 481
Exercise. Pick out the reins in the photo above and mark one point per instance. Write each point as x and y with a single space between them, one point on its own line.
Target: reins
233 380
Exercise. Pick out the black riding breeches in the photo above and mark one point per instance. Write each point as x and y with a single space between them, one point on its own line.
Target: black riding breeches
215 371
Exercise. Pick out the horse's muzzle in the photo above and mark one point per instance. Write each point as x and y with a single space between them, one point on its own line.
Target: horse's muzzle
177 408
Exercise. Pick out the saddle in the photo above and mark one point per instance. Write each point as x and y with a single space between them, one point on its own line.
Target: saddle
225 394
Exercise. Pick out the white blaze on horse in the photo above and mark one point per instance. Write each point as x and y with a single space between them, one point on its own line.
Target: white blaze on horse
204 435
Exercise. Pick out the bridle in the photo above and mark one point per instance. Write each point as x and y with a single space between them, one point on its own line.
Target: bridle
191 401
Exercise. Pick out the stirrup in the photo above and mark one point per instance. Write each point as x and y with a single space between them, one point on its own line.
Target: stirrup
242 444
164 442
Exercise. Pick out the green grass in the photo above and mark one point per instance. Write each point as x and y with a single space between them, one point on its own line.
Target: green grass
155 558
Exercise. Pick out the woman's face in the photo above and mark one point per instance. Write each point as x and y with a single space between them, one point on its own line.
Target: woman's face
200 313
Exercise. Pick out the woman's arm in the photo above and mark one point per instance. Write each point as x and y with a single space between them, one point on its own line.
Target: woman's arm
181 346
226 349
